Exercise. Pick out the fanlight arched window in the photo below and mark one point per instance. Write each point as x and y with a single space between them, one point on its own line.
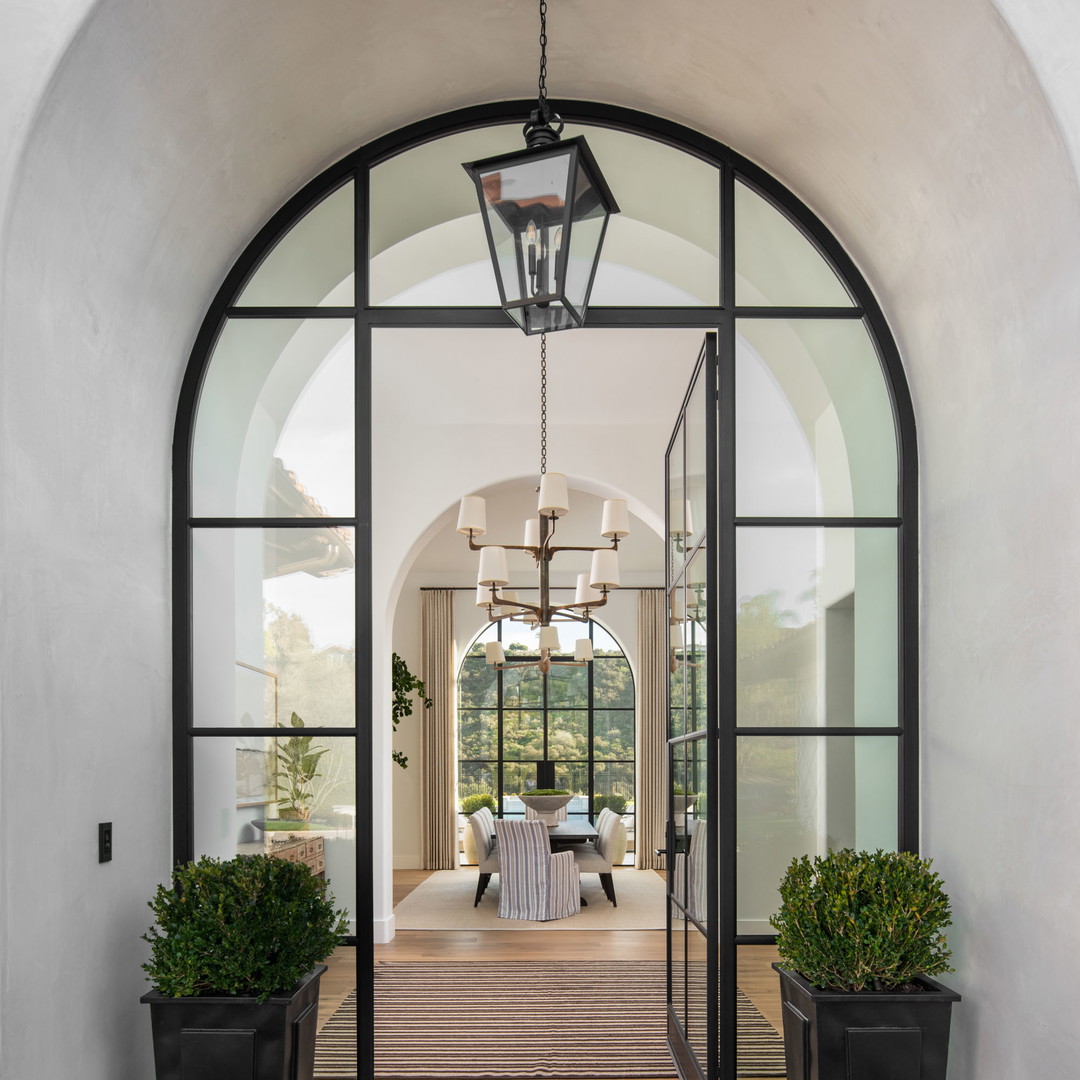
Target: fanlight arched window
792 518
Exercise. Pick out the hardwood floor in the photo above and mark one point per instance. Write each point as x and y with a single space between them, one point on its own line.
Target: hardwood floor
755 976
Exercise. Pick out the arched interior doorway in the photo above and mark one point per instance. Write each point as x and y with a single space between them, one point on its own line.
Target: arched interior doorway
296 493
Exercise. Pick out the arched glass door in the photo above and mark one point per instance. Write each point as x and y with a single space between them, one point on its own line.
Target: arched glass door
275 570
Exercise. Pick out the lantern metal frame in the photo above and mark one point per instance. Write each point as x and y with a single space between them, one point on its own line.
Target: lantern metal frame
538 310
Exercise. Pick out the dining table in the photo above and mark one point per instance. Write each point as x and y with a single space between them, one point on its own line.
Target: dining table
571 831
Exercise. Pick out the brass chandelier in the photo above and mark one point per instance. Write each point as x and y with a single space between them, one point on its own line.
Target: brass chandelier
493 577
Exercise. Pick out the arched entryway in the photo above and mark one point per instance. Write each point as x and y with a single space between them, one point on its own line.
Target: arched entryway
290 513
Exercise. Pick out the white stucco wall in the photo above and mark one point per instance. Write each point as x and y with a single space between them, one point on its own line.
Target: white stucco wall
136 165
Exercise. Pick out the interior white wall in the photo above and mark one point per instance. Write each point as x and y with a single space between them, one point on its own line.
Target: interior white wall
138 157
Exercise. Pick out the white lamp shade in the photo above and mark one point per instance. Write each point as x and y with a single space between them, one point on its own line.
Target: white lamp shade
512 598
688 521
553 501
615 524
605 569
549 639
583 649
584 593
483 595
493 567
472 516
677 612
493 653
532 532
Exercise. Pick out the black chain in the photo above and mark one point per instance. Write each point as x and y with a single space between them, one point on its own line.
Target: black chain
542 82
543 404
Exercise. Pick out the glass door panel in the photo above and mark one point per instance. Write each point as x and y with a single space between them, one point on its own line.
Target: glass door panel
691 857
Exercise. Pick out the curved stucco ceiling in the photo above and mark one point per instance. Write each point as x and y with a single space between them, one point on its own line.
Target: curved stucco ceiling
169 133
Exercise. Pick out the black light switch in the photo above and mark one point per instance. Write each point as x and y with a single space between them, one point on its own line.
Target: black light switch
104 841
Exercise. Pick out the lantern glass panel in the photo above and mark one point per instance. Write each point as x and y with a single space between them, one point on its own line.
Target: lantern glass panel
586 235
525 205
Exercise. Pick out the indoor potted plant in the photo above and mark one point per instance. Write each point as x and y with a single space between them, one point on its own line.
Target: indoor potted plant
235 964
297 770
859 936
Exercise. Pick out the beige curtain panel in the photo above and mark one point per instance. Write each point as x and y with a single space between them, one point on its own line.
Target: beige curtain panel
652 732
438 800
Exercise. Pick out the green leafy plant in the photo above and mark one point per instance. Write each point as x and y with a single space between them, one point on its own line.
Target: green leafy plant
405 684
857 920
249 926
471 803
615 803
546 791
297 769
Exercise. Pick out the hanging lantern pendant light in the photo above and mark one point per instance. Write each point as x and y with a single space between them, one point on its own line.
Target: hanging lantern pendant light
545 211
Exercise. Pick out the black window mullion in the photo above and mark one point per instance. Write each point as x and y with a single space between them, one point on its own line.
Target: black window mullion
362 542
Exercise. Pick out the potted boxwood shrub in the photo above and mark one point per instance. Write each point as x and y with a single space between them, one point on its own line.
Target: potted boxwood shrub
469 805
235 963
860 935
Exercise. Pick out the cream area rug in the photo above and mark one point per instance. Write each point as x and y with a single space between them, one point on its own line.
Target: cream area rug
444 901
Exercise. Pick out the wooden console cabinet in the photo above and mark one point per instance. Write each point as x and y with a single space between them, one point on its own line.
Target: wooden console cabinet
310 850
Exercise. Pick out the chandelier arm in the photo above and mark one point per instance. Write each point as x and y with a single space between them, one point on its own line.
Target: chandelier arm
551 551
473 546
586 605
517 603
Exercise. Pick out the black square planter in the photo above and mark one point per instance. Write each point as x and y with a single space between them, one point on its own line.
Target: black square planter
865 1035
236 1038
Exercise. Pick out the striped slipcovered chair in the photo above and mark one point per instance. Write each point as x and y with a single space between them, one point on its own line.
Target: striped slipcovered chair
487 856
606 852
689 870
534 883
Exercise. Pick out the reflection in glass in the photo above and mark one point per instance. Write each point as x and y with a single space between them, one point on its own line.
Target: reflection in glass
678 963
312 264
800 795
695 641
677 669
676 521
697 992
659 251
816 627
239 791
775 264
427 239
274 426
273 627
696 462
814 427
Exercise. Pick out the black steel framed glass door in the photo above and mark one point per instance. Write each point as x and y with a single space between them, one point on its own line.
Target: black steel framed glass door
693 942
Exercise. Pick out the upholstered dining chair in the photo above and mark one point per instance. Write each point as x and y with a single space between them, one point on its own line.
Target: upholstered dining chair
482 824
534 883
602 855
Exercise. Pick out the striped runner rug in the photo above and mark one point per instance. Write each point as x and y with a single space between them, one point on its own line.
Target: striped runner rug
473 1020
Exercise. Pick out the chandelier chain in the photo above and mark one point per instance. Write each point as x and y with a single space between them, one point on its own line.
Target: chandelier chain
543 404
542 81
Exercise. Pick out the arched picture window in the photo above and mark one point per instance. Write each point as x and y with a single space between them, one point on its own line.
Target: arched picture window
579 719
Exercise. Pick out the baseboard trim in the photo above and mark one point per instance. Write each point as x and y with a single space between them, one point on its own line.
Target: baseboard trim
383 930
